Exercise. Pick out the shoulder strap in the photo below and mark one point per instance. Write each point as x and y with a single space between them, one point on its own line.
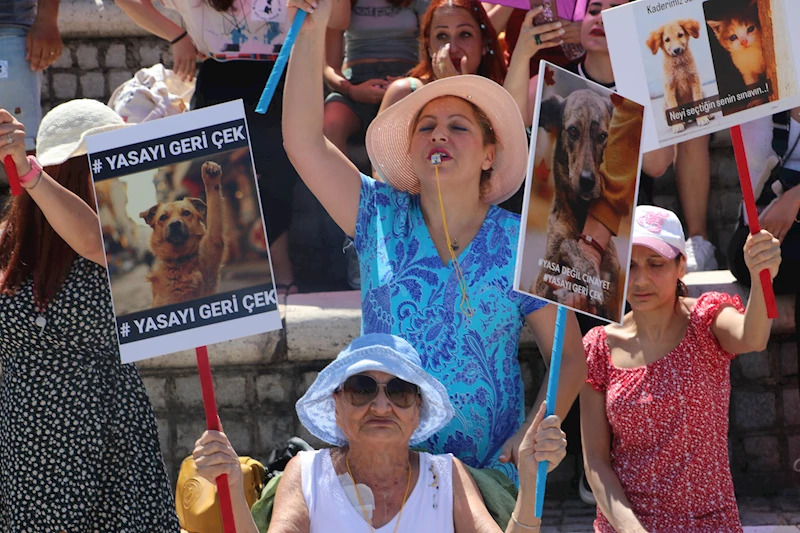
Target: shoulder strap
780 133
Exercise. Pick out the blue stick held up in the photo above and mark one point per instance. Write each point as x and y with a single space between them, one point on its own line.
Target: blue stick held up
552 393
280 63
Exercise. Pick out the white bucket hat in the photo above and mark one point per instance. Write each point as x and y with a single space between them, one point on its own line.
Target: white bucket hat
389 135
63 131
375 351
660 230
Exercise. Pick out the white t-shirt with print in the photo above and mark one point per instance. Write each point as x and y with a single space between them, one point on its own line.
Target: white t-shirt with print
250 30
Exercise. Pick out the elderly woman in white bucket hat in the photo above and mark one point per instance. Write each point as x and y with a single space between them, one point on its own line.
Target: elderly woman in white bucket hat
437 255
371 404
79 446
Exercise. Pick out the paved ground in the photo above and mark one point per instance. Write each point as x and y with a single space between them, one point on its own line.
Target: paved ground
780 514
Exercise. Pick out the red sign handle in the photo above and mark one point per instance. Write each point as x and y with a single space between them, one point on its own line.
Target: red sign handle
212 423
13 176
752 213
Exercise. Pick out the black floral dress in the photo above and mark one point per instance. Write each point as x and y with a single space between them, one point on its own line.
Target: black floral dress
79 448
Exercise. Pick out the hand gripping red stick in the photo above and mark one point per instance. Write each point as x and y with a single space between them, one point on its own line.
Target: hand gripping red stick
13 177
752 214
212 423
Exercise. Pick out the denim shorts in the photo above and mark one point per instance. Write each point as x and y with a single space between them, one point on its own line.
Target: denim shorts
361 73
20 87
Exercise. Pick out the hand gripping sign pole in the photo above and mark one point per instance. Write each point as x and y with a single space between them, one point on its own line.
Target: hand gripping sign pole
752 214
212 423
13 177
550 399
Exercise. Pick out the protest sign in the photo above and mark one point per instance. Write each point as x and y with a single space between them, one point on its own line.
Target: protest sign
704 66
582 181
183 231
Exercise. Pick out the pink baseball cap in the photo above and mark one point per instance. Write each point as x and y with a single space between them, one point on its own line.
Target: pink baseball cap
660 230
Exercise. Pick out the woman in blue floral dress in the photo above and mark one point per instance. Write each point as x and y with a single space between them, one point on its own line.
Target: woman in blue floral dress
437 255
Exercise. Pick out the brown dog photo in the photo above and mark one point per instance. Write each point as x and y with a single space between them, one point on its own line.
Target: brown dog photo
680 76
183 232
575 240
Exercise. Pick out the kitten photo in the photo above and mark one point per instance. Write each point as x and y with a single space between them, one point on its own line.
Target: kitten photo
740 34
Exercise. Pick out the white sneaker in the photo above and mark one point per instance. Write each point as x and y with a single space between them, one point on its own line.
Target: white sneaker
700 255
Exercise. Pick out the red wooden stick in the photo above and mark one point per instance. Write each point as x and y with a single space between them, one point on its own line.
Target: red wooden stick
212 422
752 214
13 177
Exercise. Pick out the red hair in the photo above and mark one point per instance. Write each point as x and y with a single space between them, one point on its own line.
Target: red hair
30 245
493 65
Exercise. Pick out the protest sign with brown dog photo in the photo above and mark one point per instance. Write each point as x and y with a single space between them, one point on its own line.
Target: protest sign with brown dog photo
183 231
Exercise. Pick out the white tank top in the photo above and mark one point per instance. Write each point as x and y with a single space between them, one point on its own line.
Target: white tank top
429 508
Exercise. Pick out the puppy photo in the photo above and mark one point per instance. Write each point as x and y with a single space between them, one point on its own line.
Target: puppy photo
562 257
187 243
680 79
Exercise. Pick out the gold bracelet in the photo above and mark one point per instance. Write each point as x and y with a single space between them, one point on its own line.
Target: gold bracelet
524 526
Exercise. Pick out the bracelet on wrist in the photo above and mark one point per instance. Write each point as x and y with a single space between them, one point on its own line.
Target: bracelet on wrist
179 37
524 526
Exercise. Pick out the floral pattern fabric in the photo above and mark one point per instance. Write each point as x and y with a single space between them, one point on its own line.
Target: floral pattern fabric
669 422
407 291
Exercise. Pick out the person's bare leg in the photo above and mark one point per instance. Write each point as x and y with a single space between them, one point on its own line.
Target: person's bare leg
693 177
281 264
339 123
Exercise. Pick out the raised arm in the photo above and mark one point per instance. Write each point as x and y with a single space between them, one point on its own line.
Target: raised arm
68 214
606 487
334 180
750 332
518 80
499 15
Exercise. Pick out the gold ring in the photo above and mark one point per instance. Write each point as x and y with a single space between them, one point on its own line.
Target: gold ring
52 53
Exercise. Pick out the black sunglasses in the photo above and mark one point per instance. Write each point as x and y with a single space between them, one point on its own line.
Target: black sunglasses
361 389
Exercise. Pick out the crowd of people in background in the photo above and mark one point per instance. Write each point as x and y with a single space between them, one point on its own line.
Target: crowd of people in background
453 384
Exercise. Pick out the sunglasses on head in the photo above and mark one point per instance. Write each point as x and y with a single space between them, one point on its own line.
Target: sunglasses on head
361 389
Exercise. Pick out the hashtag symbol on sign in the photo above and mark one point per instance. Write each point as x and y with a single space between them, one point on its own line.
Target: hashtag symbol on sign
97 166
125 329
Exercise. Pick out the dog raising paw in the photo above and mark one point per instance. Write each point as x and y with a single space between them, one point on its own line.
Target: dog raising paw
212 175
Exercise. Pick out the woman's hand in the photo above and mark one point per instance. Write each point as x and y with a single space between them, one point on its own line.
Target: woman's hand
778 219
184 58
12 142
543 441
443 66
572 32
43 44
214 456
762 251
319 12
369 92
550 35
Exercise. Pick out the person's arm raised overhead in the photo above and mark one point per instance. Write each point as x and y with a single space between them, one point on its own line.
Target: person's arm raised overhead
334 180
73 219
518 79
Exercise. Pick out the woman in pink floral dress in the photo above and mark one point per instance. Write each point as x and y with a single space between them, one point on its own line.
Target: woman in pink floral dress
654 412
